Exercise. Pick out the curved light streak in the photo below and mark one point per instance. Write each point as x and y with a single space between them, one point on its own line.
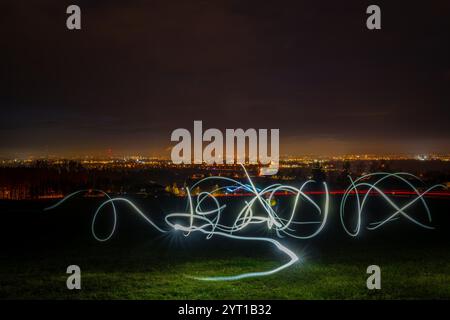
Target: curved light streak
94 219
374 187
198 217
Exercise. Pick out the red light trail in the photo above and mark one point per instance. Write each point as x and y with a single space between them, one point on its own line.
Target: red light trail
431 194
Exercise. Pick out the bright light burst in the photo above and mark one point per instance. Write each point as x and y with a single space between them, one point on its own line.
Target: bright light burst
258 210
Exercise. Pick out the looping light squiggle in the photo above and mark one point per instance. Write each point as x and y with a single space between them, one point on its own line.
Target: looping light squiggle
370 188
198 217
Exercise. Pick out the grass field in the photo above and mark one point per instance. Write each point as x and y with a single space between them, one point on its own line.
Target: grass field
147 266
121 274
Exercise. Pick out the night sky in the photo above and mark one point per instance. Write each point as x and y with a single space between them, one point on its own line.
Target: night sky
140 69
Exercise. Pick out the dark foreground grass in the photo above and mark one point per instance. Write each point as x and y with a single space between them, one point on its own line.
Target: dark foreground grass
138 263
156 273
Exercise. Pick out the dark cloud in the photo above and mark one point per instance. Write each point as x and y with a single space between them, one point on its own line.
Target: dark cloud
139 69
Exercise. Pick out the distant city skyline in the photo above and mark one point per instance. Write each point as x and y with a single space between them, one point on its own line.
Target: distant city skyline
312 147
283 157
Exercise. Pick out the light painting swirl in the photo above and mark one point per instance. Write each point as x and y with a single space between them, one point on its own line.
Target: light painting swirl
258 210
362 199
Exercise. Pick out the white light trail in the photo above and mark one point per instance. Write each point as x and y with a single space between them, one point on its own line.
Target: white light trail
373 187
198 218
